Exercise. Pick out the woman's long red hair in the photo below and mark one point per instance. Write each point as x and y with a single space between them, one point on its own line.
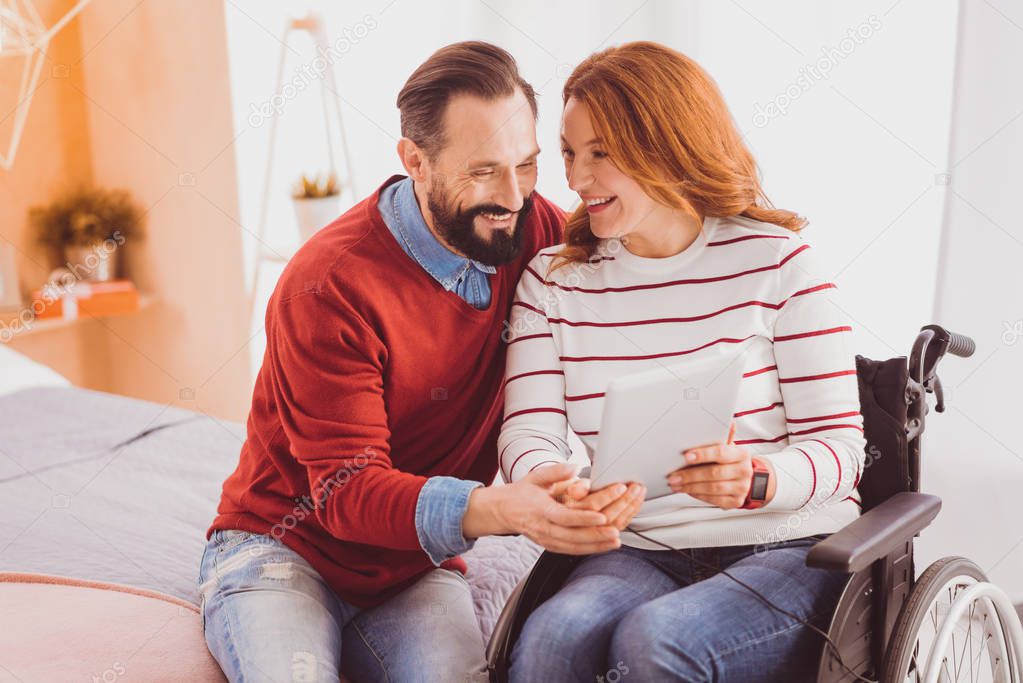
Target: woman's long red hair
664 124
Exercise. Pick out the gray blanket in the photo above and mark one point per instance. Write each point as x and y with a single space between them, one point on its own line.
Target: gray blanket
108 488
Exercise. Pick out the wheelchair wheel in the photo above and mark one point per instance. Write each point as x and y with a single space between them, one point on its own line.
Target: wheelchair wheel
979 648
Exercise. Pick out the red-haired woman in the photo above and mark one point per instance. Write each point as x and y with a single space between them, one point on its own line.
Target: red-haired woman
675 254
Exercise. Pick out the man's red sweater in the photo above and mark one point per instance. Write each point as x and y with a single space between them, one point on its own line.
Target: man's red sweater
374 379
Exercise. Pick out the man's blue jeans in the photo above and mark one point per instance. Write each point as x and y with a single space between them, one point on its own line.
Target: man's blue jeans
655 615
269 616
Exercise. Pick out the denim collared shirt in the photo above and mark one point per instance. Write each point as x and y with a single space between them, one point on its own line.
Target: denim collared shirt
467 278
442 500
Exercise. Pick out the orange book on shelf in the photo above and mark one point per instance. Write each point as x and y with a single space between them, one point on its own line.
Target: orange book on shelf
92 299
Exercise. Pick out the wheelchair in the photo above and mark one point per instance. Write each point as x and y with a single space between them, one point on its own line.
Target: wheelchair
948 624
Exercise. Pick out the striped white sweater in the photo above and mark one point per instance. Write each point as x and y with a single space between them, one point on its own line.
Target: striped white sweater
742 285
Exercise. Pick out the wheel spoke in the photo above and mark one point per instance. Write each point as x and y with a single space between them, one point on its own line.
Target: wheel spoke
969 638
914 666
964 655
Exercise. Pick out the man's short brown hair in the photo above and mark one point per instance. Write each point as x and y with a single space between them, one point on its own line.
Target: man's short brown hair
469 68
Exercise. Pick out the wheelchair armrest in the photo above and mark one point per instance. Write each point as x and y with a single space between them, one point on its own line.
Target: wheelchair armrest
876 533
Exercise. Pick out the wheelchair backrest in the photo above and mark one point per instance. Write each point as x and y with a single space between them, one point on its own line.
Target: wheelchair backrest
882 388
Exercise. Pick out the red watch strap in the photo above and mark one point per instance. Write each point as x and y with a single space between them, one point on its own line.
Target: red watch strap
758 467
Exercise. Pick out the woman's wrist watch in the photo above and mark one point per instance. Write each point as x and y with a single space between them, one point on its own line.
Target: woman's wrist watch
758 485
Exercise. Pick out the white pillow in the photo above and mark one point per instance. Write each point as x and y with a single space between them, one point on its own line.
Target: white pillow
20 372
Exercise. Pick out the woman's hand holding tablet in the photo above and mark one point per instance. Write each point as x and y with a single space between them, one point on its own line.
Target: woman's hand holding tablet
719 474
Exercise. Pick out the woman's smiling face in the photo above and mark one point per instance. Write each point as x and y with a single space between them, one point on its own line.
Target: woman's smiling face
616 203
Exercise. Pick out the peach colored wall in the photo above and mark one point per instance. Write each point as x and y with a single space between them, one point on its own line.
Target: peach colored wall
53 154
150 112
160 116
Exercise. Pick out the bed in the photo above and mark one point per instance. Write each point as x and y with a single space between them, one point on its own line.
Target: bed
113 491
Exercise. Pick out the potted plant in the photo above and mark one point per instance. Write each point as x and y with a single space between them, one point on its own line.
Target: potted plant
89 226
317 202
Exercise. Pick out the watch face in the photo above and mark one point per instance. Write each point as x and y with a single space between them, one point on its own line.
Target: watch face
759 491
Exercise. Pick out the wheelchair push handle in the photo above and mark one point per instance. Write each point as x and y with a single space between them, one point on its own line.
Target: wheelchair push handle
960 345
951 342
932 343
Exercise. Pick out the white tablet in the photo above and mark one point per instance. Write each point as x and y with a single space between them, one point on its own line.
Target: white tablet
650 417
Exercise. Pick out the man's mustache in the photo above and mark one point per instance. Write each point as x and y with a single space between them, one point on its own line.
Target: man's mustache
498 210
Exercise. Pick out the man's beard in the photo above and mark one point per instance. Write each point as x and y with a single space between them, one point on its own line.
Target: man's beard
457 227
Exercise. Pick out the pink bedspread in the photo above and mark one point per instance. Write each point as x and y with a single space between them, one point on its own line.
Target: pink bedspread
61 629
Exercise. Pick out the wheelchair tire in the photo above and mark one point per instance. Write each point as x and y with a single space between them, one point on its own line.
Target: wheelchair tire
921 613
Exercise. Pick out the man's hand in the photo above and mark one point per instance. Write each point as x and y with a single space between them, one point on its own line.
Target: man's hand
527 507
719 474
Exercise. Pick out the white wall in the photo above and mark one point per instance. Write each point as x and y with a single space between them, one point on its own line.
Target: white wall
973 459
858 152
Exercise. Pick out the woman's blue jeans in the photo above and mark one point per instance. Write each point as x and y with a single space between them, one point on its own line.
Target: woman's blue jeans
656 615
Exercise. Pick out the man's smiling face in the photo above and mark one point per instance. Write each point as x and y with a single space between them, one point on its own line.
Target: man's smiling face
475 190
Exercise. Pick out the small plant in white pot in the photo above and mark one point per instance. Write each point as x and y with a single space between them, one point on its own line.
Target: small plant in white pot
317 202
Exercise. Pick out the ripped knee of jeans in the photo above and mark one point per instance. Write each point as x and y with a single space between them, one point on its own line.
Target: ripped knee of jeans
277 571
303 665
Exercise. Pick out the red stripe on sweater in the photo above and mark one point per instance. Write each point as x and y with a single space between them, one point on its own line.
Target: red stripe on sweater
594 433
694 318
534 372
523 304
758 410
776 439
522 455
667 354
671 283
815 333
835 416
656 321
530 336
810 290
837 462
500 455
853 500
534 410
806 431
825 428
583 397
810 378
542 462
753 373
813 469
720 243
